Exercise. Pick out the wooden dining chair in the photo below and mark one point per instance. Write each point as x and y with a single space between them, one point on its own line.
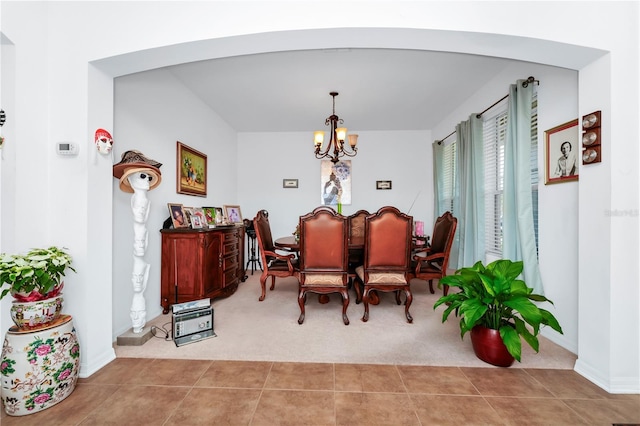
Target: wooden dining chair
387 256
274 264
324 257
356 255
432 262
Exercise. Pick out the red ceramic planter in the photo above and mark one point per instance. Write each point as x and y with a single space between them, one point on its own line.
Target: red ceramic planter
488 346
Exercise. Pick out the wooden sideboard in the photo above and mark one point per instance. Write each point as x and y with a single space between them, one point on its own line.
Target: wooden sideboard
201 263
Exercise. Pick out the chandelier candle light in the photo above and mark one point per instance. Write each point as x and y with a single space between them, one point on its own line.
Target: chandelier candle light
335 148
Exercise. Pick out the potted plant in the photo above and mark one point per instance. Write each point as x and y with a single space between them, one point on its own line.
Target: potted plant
494 304
35 282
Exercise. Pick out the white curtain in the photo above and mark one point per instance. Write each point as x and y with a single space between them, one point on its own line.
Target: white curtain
519 242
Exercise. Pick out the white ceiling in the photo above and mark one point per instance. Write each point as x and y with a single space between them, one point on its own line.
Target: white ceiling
380 89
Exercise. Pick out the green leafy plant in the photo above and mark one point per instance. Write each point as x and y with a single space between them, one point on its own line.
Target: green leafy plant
495 298
34 274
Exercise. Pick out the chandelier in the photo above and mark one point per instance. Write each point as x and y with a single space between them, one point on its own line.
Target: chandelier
335 149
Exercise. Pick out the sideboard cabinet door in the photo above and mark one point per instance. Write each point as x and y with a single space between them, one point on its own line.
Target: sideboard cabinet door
200 263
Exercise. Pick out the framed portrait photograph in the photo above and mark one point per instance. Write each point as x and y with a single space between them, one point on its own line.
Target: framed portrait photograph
383 184
219 216
191 171
209 215
233 214
196 222
178 217
199 213
562 151
188 212
289 183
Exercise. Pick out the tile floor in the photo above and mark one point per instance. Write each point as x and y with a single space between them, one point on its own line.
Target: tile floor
132 391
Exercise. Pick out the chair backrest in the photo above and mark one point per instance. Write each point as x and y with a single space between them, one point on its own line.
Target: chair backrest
442 238
356 223
388 240
263 231
443 231
324 242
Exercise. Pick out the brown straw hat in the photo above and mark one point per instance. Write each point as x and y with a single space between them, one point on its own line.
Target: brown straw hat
135 162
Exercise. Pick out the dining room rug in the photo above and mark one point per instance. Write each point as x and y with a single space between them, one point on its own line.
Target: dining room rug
249 330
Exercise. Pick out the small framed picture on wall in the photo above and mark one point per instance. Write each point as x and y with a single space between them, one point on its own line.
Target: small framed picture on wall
383 184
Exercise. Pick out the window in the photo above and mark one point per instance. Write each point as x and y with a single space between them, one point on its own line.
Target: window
534 164
450 172
494 135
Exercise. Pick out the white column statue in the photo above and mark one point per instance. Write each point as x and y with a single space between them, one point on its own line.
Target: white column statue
140 207
138 175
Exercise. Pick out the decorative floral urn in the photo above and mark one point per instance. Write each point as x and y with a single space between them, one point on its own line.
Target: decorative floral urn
40 367
30 315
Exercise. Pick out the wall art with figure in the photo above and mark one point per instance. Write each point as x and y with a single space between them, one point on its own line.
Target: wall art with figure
335 183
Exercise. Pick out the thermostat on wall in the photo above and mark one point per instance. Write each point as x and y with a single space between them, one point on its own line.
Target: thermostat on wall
67 148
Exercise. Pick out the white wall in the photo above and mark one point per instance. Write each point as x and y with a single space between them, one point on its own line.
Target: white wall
264 159
152 112
63 62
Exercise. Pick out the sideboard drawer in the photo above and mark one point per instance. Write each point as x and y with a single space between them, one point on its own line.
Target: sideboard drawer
229 263
230 248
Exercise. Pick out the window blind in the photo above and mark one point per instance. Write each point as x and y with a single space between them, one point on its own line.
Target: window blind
494 135
534 164
449 171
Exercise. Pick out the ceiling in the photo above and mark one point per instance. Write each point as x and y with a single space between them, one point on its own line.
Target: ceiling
379 89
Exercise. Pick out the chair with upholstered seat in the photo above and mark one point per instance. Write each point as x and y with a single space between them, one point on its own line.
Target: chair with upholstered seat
324 257
274 264
432 262
356 223
356 255
387 256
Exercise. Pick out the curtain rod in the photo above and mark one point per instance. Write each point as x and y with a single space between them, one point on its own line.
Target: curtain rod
524 84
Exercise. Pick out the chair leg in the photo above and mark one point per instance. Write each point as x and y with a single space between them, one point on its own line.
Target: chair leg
263 286
273 282
356 286
431 286
445 289
301 299
398 301
345 305
407 304
365 301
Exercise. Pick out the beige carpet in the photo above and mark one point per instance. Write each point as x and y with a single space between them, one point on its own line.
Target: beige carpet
269 331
